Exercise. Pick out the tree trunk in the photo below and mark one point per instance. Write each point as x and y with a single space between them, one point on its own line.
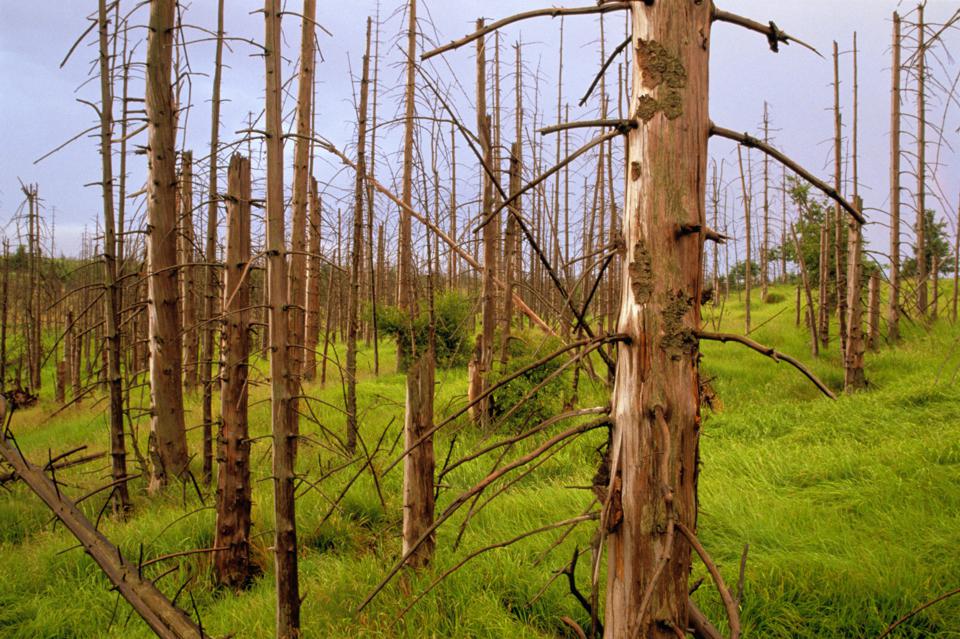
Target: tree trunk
297 282
656 397
186 240
353 300
168 440
811 310
873 337
920 230
232 566
853 378
212 280
284 433
841 284
893 308
314 275
748 262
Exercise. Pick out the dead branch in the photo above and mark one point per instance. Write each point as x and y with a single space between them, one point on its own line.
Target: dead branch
774 35
917 610
732 613
551 12
750 142
769 352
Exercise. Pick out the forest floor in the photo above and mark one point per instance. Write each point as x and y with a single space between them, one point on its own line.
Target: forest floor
851 509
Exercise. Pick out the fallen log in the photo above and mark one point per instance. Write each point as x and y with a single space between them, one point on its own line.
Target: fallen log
165 619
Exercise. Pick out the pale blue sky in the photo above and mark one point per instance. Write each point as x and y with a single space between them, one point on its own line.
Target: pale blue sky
38 107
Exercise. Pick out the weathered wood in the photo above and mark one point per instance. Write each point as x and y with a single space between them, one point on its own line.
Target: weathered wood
212 279
853 375
186 249
893 272
920 229
314 279
656 396
233 567
748 230
118 452
285 533
353 298
168 441
873 317
297 281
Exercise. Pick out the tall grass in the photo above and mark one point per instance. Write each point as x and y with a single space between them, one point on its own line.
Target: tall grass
851 509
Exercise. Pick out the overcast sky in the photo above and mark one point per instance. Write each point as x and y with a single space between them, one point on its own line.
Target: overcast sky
39 108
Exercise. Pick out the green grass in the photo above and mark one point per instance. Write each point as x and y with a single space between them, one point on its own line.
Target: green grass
851 509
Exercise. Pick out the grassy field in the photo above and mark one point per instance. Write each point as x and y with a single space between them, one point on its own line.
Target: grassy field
851 510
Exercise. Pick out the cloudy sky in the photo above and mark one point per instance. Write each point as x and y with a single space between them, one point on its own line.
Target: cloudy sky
39 106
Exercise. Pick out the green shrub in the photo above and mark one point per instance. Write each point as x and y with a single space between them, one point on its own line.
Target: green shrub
525 349
453 340
773 298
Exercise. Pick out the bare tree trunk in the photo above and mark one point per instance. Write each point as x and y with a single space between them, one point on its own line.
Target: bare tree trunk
935 285
811 309
186 240
212 279
353 300
656 397
823 328
873 319
956 271
765 247
232 566
841 284
509 255
284 431
314 276
418 465
853 378
491 229
297 282
893 309
748 263
168 440
920 230
375 282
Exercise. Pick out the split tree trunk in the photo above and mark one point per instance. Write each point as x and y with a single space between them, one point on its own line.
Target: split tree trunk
168 440
656 397
232 566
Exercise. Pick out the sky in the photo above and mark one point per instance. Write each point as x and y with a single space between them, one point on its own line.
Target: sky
39 107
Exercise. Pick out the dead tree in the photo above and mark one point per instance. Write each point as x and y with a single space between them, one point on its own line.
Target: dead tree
748 230
186 242
418 466
212 280
353 300
314 276
297 282
893 305
168 441
811 309
232 566
873 315
284 432
853 378
920 252
118 453
838 239
765 246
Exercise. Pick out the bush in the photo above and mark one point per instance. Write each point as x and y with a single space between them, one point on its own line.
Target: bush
453 340
525 349
773 298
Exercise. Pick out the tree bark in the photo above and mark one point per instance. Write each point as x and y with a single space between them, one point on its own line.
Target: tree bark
920 229
284 433
212 280
232 566
314 275
893 307
353 300
656 396
297 282
168 440
186 239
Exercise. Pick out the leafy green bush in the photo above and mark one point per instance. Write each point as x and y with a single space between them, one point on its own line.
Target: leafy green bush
452 314
773 298
523 350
